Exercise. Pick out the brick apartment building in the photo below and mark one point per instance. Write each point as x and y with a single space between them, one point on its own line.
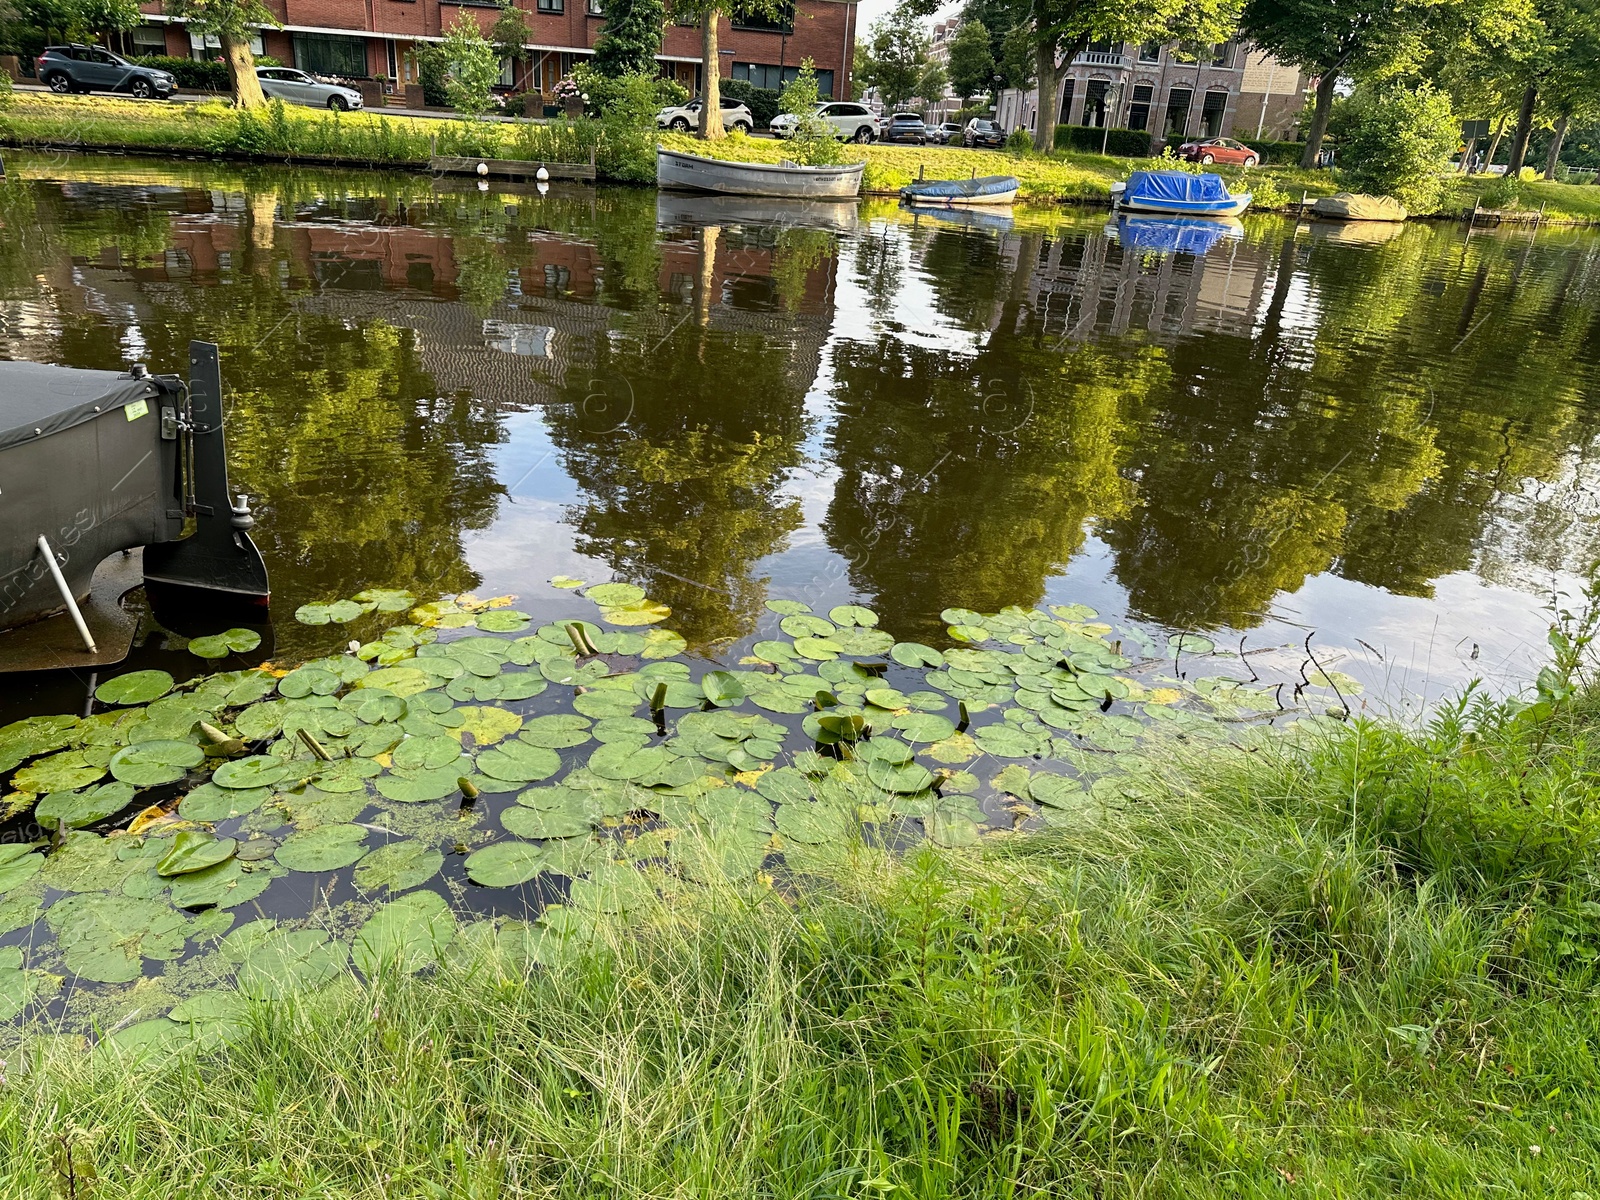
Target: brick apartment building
1227 90
364 38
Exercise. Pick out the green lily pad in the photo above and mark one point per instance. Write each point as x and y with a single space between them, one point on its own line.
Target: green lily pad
1006 741
195 850
505 864
400 681
421 786
853 614
325 848
663 643
488 725
385 600
817 649
556 731
722 688
136 687
1056 791
404 935
151 764
220 645
399 866
259 770
788 608
16 985
64 772
611 594
281 964
340 612
900 778
564 822
627 761
519 762
225 885
209 803
426 753
645 612
565 581
19 867
612 888
923 727
106 938
806 625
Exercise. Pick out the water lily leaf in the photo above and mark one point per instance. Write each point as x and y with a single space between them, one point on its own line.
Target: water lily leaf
227 884
627 761
853 614
286 964
106 938
615 594
786 785
426 753
1006 741
902 778
386 600
1190 643
863 642
195 850
136 687
404 935
556 731
401 681
722 688
611 888
788 608
209 803
422 786
488 725
229 641
325 848
1015 780
505 864
645 612
887 698
923 727
519 762
565 581
884 749
663 643
813 824
399 866
151 764
805 625
1056 791
259 770
614 702
64 772
817 649
19 868
957 748
17 986
567 821
953 831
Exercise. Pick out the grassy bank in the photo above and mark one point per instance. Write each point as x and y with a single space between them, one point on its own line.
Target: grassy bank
1359 966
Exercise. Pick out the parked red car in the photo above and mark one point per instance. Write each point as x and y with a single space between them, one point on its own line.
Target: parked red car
1220 150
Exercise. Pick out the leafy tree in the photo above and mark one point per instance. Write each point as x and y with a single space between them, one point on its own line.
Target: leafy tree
1002 20
709 12
510 33
631 37
233 23
1016 58
472 66
1400 141
628 128
897 61
972 63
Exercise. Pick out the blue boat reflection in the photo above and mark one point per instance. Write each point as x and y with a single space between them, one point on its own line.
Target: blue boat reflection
1172 235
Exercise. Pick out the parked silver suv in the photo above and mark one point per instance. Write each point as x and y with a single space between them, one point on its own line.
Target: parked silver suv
75 68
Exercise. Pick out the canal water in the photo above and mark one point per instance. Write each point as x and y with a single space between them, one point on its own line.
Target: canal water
1357 463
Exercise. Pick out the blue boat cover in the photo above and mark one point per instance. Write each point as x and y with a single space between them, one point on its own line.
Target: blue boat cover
1156 187
958 189
1189 235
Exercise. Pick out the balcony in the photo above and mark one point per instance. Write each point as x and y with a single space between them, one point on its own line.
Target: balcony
1100 58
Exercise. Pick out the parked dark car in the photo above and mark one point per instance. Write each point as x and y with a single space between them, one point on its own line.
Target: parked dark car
77 68
906 127
980 132
1219 150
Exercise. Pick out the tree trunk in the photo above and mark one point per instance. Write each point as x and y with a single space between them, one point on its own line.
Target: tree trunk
1044 121
1319 118
241 71
1494 144
711 81
1554 157
1519 140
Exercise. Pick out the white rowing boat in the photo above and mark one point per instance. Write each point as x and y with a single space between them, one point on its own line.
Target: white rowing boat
691 172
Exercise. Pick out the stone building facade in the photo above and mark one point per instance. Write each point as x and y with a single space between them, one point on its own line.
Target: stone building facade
357 39
1175 92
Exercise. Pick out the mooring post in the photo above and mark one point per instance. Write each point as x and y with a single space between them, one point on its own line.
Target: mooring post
66 594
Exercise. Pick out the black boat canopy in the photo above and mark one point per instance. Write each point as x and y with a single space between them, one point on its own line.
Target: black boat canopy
38 400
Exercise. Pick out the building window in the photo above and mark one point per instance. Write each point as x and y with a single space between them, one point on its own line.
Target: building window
508 72
209 49
595 10
1139 109
1094 103
1064 117
1211 113
1150 52
552 6
782 23
148 39
775 78
322 54
1222 54
1178 111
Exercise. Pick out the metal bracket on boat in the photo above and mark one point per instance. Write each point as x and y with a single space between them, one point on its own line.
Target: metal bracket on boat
66 594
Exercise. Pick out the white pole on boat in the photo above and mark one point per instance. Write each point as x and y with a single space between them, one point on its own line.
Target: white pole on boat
66 594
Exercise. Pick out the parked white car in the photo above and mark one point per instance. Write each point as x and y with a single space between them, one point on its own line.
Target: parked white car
684 117
851 121
296 87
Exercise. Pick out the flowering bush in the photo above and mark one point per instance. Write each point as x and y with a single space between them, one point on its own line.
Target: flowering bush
567 89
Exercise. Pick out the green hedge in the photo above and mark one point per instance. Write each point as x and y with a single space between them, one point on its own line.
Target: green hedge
189 72
1278 153
764 103
1128 143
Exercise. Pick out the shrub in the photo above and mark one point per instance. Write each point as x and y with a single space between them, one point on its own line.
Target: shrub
472 66
600 92
813 142
1504 192
1020 142
763 103
1129 143
1400 140
431 72
1278 153
962 115
627 151
201 76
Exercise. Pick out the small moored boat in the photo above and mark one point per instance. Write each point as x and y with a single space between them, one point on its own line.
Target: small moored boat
93 463
1178 193
691 172
989 189
1171 235
1354 206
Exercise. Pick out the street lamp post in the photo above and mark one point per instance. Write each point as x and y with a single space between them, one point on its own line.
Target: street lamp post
1108 112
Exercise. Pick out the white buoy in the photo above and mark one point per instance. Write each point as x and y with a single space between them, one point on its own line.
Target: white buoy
483 185
483 168
541 175
544 188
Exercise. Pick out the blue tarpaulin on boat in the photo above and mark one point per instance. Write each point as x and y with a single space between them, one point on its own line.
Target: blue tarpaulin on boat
1190 235
960 189
1158 187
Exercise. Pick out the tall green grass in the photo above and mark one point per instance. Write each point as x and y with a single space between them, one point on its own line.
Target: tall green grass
1361 964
